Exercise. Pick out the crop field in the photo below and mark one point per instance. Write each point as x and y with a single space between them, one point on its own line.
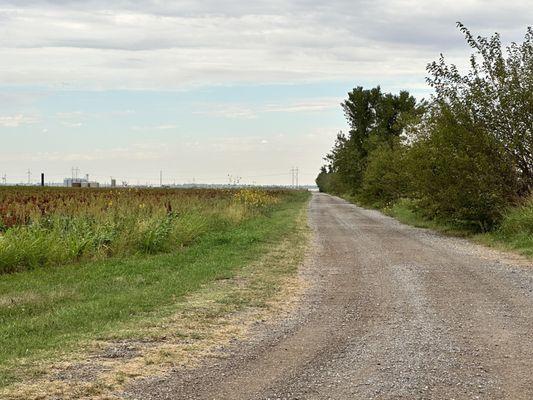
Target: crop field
54 226
78 265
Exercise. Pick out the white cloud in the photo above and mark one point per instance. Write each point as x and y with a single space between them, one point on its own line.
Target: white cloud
14 121
164 127
51 46
134 152
71 119
228 111
153 44
304 106
247 111
72 124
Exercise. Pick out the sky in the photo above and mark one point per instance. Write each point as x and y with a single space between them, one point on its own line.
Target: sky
210 90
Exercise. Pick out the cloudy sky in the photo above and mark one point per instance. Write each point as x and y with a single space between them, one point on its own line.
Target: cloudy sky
203 89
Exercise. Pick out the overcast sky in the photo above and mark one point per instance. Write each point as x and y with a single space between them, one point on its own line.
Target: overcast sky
203 89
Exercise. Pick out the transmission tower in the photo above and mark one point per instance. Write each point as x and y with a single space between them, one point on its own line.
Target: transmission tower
294 177
75 171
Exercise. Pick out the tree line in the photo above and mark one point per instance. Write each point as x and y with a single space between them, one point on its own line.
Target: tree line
465 155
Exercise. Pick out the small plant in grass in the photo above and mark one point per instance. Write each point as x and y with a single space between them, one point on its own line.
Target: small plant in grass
157 234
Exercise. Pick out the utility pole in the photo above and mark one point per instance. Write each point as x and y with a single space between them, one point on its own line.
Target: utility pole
292 177
42 179
29 176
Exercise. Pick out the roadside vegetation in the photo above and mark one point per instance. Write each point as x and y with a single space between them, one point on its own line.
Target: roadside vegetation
461 161
178 242
515 231
55 226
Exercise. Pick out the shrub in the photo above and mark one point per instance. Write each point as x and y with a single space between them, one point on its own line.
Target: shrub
331 182
385 179
460 172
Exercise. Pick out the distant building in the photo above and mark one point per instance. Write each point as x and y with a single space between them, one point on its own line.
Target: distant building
80 182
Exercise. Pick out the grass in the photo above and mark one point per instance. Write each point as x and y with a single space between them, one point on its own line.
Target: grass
406 212
515 232
42 227
48 312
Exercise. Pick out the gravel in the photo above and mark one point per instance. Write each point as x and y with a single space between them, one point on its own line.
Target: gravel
392 312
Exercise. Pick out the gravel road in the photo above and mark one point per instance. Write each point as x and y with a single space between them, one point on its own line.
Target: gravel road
393 312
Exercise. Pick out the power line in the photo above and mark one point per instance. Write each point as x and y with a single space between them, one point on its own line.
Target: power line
234 179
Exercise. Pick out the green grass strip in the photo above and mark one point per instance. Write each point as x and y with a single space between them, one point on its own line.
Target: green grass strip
49 311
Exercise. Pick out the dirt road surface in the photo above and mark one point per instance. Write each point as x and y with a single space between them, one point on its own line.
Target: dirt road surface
393 312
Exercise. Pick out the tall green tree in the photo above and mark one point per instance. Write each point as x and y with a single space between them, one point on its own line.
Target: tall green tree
496 92
347 161
374 118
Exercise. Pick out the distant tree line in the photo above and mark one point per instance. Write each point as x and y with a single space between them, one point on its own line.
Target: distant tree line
464 155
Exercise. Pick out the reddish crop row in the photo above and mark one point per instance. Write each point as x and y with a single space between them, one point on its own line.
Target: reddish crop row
21 205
